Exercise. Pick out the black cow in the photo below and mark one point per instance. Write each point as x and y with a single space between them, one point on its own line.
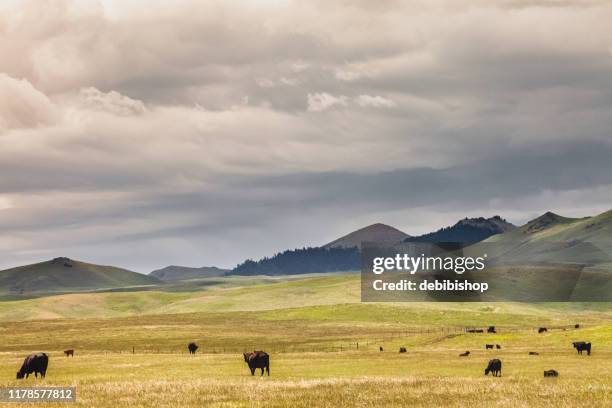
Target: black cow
467 353
581 346
534 353
192 347
380 348
576 326
488 346
258 359
402 349
542 330
494 367
491 329
551 373
34 363
497 346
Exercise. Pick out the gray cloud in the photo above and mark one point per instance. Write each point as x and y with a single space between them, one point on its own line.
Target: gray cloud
205 133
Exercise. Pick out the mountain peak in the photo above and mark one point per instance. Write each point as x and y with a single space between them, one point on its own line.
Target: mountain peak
546 220
177 272
467 231
378 232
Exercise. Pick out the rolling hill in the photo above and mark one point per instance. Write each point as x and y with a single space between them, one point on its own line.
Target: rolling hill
552 253
67 275
467 231
553 238
375 232
174 273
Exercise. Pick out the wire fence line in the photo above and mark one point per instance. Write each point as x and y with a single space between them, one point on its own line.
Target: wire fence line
365 343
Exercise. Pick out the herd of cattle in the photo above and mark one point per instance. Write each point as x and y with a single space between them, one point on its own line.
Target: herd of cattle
38 363
495 365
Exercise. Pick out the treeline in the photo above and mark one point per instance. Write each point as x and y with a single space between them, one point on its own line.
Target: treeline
304 260
464 234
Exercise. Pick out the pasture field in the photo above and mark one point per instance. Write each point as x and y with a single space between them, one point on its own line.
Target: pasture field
322 354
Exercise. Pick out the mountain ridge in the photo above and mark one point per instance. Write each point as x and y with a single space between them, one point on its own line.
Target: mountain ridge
63 274
378 232
467 231
173 273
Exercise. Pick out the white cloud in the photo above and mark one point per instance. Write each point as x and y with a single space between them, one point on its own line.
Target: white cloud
264 82
110 102
375 101
23 106
319 102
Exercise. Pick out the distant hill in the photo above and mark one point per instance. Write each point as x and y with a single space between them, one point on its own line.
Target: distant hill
551 253
375 232
342 254
176 273
467 231
553 238
67 275
301 261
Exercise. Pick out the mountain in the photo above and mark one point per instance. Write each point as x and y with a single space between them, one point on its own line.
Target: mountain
551 258
554 238
67 275
375 232
467 231
177 273
301 261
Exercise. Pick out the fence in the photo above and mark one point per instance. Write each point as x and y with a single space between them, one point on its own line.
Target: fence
344 345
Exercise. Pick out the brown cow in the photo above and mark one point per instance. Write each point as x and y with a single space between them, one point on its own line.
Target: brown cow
542 330
467 353
258 359
551 373
69 353
534 353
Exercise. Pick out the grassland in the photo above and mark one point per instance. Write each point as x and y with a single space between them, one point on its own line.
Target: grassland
311 328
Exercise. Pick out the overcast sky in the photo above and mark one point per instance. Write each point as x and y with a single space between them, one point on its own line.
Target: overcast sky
202 133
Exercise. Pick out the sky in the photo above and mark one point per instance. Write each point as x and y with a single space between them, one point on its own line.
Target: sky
147 133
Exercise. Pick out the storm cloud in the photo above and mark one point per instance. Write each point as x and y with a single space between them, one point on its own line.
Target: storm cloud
144 134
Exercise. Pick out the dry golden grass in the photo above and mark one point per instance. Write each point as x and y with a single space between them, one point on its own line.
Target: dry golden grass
422 378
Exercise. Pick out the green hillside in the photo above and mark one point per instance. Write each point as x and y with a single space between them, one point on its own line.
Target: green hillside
67 275
547 232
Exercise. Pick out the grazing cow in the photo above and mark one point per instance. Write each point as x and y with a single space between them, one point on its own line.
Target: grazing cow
576 326
551 373
534 353
34 363
494 367
380 348
488 346
192 347
497 346
467 353
542 330
258 359
491 329
475 330
402 349
581 346
69 353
